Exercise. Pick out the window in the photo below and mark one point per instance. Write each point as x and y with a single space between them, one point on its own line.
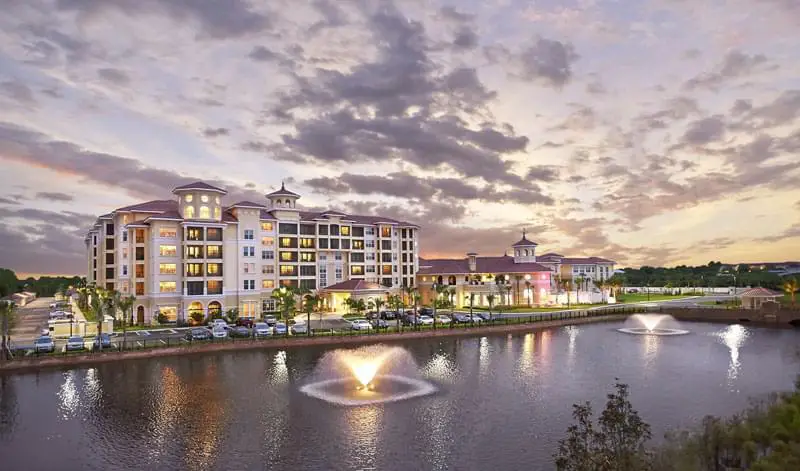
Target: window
109 244
307 257
267 284
323 243
217 212
109 229
323 257
370 244
249 251
267 269
139 270
188 198
249 309
287 228
346 244
369 231
268 305
140 253
345 230
139 288
358 245
358 232
109 259
167 268
403 233
167 232
386 257
171 312
308 270
308 284
194 269
386 269
308 229
194 288
370 268
214 269
386 245
386 231
337 256
167 286
288 242
288 256
139 236
268 241
249 234
334 230
213 251
307 243
288 270
110 273
386 282
205 212
266 226
357 257
338 273
213 287
322 230
249 285
267 255
370 256
124 236
356 270
194 251
204 198
194 233
335 243
188 212
125 270
214 234
289 283
250 268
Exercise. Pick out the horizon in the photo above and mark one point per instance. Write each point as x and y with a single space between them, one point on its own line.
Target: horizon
656 133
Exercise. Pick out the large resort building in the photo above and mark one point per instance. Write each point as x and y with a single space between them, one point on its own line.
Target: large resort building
522 278
195 254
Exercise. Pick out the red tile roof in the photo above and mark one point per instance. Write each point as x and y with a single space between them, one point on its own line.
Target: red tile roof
356 285
155 206
170 215
199 186
584 260
759 293
503 264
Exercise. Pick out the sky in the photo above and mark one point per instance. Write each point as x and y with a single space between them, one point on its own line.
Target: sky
657 132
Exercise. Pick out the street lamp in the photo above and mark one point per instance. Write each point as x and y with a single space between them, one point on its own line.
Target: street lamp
433 288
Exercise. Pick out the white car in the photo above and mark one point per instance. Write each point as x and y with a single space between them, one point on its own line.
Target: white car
219 323
360 324
262 329
442 319
58 315
219 332
425 320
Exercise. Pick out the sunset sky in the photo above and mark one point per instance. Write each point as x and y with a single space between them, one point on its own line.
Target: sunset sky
646 131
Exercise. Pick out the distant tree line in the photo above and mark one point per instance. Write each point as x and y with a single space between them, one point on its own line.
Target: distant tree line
711 275
42 286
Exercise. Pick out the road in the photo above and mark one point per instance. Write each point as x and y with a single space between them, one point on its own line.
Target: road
31 319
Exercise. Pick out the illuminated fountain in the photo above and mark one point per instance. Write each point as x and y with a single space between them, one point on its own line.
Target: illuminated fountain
652 324
368 375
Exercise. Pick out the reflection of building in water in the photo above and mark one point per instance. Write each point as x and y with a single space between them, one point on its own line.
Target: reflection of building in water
483 357
526 361
363 424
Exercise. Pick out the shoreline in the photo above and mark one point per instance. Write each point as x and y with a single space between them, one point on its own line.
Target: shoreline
27 365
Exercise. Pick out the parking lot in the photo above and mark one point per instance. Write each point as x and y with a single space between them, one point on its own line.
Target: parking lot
31 319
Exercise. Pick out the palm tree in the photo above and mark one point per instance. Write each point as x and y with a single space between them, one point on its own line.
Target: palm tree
471 304
490 300
518 278
360 306
98 304
6 320
417 298
125 304
451 295
349 302
440 290
286 302
790 287
578 283
602 284
397 302
567 287
528 290
311 301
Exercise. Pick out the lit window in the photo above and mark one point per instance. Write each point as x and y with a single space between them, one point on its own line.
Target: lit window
287 256
266 226
386 231
268 284
356 270
204 198
188 212
167 232
167 268
345 230
188 198
205 213
217 212
268 241
288 270
168 250
167 286
267 269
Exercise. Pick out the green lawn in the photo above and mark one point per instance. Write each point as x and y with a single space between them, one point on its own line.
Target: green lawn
640 297
353 316
523 309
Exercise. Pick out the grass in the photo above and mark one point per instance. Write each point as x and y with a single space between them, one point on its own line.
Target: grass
352 315
525 309
639 297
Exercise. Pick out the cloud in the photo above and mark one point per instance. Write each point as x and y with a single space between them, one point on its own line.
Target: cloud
543 173
49 250
783 110
115 76
547 61
8 201
54 196
735 64
582 119
789 233
704 131
218 19
216 132
18 91
262 54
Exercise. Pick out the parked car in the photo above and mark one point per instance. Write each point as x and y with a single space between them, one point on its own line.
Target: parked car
425 320
484 316
280 328
411 319
299 328
102 341
389 315
262 329
44 332
380 324
270 320
239 331
58 315
245 322
219 323
360 324
219 332
460 318
443 319
44 344
198 333
426 311
75 343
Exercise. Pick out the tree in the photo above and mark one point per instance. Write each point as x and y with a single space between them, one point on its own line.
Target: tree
417 299
518 278
602 284
490 300
615 443
125 304
349 302
567 287
97 306
578 282
231 315
528 290
471 305
284 298
360 306
311 302
451 296
790 287
7 319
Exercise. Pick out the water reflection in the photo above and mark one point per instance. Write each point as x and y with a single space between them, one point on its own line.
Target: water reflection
650 344
280 372
441 368
68 396
572 334
483 357
526 359
363 424
733 337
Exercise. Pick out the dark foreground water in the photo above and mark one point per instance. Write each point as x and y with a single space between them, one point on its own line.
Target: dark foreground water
504 402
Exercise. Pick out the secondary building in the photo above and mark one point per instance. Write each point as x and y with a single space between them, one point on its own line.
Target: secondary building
194 255
519 279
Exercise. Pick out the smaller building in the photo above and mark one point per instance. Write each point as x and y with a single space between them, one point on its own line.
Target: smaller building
23 298
755 298
333 297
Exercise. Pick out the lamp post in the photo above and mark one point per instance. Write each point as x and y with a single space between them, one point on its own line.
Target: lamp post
433 288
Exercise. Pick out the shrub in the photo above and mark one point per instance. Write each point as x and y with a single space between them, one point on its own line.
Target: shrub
197 317
162 318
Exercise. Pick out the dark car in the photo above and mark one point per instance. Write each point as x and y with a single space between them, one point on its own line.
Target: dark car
425 311
461 318
411 319
380 324
239 331
388 315
245 322
198 333
102 341
485 316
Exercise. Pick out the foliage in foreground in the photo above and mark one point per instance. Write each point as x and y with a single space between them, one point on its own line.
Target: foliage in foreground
766 437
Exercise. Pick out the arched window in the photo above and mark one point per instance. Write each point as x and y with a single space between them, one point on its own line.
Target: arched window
526 252
188 212
188 198
439 280
216 199
204 198
205 213
217 212
451 280
516 252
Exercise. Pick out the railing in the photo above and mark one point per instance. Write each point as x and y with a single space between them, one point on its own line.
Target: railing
136 343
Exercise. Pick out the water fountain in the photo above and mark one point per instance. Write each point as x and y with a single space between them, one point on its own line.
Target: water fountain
368 375
652 324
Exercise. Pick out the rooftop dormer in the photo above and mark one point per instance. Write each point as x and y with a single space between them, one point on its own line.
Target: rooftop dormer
524 250
283 198
200 200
